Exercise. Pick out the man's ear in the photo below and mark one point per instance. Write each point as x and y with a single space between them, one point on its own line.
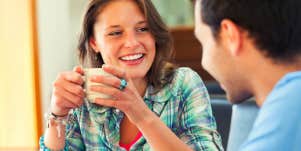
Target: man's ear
232 36
92 43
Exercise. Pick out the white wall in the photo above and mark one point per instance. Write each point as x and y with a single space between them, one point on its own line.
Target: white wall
58 28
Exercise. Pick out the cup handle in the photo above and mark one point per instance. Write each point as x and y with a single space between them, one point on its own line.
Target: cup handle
84 79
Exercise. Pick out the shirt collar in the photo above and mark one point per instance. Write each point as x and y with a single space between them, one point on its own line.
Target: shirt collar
287 78
160 97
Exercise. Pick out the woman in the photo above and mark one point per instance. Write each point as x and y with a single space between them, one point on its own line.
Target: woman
155 106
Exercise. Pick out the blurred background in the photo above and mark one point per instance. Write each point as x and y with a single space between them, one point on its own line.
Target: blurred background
38 40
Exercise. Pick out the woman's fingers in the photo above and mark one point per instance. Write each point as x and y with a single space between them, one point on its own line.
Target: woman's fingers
107 80
69 97
79 70
62 102
115 93
114 81
120 73
73 77
108 103
71 88
67 91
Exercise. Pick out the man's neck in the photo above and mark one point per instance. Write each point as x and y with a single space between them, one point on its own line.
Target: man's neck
267 76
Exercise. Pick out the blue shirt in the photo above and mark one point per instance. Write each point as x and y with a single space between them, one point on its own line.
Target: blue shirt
278 125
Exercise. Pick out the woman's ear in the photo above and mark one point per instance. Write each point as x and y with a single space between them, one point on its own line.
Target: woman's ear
232 36
92 43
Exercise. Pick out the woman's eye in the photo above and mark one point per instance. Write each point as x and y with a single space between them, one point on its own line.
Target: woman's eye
143 29
115 33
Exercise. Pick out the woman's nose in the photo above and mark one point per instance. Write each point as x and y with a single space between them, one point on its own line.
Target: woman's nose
131 40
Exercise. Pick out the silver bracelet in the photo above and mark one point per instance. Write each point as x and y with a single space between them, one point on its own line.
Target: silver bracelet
57 121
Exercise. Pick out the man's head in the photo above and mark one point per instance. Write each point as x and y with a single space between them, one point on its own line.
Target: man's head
230 30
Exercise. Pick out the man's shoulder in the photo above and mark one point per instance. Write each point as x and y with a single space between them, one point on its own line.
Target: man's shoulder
285 98
287 91
277 126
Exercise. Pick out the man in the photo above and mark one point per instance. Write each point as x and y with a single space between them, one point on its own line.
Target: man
253 48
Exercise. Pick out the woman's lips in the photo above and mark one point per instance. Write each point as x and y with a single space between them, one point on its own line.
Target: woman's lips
132 56
133 59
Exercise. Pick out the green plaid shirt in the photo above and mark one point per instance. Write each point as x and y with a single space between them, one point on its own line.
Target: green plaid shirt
183 106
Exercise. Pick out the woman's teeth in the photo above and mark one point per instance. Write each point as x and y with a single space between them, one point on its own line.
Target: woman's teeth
132 57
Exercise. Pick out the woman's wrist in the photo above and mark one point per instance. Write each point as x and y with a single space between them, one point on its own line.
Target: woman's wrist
58 122
59 115
58 119
59 112
55 136
147 117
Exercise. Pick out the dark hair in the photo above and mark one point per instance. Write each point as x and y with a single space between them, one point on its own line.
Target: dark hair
274 25
162 69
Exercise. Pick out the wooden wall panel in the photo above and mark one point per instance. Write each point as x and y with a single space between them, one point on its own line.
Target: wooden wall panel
188 51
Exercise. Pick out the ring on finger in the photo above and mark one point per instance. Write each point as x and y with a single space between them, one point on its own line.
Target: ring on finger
123 84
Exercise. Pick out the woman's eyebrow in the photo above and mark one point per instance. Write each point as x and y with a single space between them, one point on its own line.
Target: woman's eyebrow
112 26
141 22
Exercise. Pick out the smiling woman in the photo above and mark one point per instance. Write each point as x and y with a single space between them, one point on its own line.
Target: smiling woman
152 105
126 43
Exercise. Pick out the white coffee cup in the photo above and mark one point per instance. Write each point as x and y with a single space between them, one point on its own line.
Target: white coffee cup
92 95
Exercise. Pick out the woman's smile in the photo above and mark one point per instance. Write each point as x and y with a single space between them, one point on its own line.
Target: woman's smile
132 59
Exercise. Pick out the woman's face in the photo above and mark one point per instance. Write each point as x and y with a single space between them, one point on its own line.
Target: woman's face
122 37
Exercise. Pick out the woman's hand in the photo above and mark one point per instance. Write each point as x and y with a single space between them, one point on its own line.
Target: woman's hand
67 92
127 100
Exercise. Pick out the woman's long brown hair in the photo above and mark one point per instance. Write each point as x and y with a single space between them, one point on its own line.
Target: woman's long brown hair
162 69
